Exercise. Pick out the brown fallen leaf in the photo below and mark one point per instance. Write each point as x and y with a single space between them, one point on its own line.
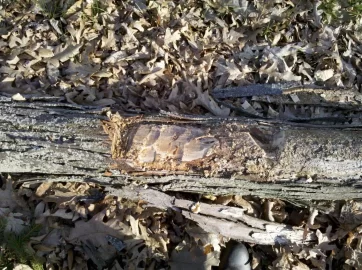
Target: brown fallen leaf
8 198
69 52
96 230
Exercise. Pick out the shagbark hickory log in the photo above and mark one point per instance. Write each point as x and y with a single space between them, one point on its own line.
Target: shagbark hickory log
61 141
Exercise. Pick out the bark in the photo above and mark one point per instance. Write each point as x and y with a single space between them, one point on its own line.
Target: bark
42 137
42 140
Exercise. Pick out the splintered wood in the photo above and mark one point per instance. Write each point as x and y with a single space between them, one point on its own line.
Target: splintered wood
160 145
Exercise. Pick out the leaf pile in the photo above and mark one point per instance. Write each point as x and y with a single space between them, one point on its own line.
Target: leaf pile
147 55
82 228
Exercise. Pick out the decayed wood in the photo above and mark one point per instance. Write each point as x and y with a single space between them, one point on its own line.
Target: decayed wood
242 148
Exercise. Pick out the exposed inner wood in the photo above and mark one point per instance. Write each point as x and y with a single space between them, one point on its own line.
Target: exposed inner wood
255 151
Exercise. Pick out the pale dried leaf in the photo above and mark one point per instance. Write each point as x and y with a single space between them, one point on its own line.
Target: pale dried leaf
18 97
14 223
323 75
69 52
22 267
96 230
8 198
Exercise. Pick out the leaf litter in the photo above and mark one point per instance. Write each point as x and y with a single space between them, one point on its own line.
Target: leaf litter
150 55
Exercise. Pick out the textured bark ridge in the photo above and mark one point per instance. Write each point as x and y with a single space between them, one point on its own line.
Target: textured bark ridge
52 138
242 148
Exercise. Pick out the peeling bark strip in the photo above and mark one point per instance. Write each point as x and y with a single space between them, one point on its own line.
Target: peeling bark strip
248 149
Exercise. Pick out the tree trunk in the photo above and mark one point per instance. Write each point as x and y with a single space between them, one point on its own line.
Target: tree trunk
42 140
203 155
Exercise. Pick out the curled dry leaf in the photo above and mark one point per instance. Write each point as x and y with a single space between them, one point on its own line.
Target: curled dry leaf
323 75
69 52
195 208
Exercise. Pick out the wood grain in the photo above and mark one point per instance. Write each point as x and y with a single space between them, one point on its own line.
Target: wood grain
251 149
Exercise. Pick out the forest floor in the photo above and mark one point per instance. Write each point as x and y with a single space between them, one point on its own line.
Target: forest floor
144 56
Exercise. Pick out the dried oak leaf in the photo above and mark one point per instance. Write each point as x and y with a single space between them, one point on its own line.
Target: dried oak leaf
287 261
96 230
205 100
8 198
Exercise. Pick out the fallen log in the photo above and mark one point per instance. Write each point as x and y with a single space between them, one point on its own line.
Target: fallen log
297 162
46 140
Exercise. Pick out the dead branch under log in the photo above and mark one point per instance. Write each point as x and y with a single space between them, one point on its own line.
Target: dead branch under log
225 220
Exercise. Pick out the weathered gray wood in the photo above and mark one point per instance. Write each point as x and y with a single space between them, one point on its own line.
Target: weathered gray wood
287 190
301 193
225 220
51 138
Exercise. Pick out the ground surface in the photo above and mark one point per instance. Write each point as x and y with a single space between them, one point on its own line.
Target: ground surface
150 55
